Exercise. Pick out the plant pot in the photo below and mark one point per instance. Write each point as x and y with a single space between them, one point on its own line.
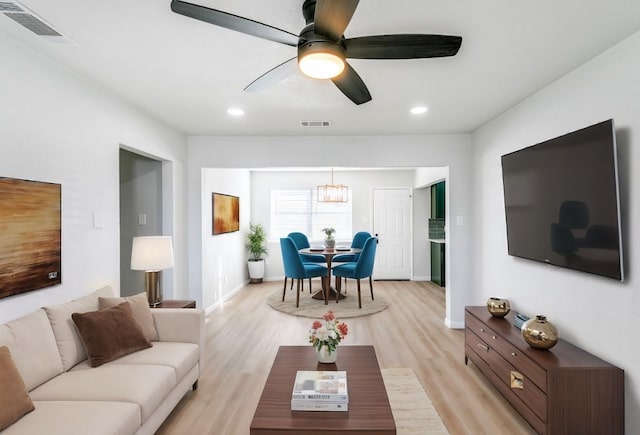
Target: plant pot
330 243
324 356
256 271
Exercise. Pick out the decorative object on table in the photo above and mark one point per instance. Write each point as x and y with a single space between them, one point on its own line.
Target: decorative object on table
256 240
519 320
326 335
320 391
225 213
540 333
498 307
152 254
333 192
329 241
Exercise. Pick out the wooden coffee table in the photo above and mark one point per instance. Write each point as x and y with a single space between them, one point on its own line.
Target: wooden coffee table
369 409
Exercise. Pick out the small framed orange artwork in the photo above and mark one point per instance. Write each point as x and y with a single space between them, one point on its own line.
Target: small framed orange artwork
226 213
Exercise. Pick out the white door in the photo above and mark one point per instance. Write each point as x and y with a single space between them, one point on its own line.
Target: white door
392 226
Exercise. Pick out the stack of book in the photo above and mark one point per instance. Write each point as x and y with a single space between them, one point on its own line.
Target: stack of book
320 391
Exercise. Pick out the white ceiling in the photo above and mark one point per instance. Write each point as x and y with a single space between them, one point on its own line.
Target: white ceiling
187 73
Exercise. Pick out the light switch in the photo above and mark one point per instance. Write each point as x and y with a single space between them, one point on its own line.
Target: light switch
142 219
459 221
98 220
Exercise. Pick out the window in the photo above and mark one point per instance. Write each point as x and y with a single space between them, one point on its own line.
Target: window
299 210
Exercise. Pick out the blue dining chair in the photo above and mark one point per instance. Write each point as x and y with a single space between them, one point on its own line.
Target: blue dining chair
301 241
362 268
357 242
294 268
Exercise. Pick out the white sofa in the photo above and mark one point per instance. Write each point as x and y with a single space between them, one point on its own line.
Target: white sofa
130 395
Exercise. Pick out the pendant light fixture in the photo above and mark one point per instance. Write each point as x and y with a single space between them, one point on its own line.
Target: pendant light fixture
333 192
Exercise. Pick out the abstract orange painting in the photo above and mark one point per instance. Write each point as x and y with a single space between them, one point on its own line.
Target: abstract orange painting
30 235
226 213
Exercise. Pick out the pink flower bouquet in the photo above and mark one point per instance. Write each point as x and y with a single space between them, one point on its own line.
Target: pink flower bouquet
327 333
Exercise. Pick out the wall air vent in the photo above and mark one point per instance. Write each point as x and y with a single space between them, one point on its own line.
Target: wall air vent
23 16
315 123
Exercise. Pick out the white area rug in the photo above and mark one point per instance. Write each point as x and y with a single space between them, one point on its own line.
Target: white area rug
411 406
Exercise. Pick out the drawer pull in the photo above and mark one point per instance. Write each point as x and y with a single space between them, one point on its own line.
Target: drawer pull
481 329
517 380
482 346
494 337
513 354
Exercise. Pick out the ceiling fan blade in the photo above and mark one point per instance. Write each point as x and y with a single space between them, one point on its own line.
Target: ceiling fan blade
402 46
273 76
234 22
332 17
350 83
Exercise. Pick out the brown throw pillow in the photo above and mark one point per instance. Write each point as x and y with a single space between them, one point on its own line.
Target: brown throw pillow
109 334
139 308
14 397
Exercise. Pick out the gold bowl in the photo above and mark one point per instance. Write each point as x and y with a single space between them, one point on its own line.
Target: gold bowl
498 307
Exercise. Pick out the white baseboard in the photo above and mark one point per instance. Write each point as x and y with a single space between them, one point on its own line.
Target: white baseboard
453 325
221 302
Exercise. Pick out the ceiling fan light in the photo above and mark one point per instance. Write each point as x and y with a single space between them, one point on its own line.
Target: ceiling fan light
321 65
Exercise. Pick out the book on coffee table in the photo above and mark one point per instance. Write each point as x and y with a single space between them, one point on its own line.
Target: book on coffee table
320 391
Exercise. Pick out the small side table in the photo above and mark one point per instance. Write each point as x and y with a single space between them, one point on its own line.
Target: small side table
168 303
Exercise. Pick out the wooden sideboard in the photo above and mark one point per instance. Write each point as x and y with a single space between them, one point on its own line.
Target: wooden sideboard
564 390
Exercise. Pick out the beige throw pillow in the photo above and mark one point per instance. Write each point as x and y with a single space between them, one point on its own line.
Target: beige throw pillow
110 333
139 308
14 397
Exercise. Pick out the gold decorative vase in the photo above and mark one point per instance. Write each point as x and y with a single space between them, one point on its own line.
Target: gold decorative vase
540 333
498 307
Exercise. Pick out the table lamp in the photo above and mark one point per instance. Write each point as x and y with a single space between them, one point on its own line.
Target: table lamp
152 254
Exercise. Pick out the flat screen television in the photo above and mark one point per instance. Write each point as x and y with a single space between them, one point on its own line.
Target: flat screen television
562 203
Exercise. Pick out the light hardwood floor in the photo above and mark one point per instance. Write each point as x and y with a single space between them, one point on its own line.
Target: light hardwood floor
244 335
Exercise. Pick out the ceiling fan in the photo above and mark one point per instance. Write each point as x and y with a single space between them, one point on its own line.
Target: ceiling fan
322 47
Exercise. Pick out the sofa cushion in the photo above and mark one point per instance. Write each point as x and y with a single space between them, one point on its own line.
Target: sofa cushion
14 398
71 417
139 308
146 385
67 338
110 333
181 357
33 348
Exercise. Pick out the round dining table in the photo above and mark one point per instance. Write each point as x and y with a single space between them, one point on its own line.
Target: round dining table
328 254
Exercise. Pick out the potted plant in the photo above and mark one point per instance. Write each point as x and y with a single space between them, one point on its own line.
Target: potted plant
256 245
329 241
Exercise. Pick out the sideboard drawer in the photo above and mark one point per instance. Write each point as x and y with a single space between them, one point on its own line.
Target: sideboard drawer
509 352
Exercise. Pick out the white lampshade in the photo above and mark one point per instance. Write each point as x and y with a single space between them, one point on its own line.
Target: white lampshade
152 253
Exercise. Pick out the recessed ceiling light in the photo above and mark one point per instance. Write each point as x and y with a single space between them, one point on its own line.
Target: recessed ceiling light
418 110
235 111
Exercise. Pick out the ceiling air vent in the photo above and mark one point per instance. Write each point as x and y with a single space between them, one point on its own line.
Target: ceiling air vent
26 18
315 123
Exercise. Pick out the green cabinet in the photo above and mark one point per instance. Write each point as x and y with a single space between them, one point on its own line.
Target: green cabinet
437 263
437 200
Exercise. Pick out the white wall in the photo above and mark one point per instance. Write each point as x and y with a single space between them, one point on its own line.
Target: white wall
59 128
224 256
597 314
360 183
346 151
